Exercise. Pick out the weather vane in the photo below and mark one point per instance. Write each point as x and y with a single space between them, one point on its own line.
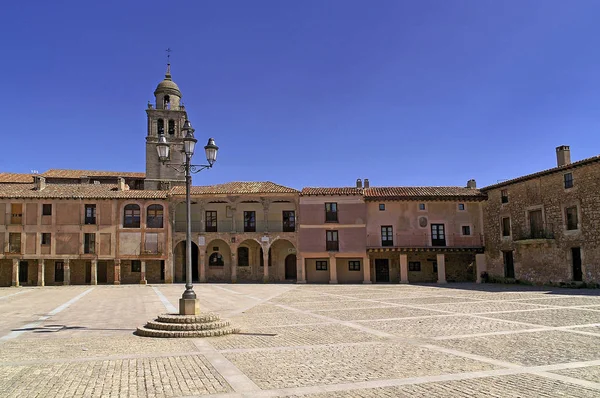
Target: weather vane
168 50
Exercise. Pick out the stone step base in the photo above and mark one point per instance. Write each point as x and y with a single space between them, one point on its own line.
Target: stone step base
182 327
176 318
143 331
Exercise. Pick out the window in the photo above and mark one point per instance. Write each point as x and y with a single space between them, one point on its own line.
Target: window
131 216
46 209
321 265
171 127
504 196
89 243
14 242
154 216
569 180
160 126
466 230
331 212
211 221
243 257
216 260
16 213
90 214
422 206
461 206
136 266
571 215
414 266
382 207
536 224
289 221
353 265
249 221
438 235
387 236
506 226
332 241
45 238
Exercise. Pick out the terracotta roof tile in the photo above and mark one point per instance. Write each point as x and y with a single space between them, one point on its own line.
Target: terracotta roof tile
76 191
237 187
438 193
67 173
313 191
16 178
557 169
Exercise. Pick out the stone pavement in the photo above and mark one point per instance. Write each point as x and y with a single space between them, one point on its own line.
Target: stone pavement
304 340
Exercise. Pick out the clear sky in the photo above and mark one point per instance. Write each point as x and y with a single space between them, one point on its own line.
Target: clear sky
306 93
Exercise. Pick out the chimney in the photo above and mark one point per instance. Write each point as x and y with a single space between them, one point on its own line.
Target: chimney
471 184
40 183
563 155
358 183
84 180
366 183
122 185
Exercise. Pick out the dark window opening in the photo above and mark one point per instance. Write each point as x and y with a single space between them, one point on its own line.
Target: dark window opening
353 265
569 180
466 230
289 221
46 238
387 236
249 221
46 210
160 126
414 266
211 221
166 102
321 265
243 257
90 214
332 242
154 216
171 127
506 226
509 265
572 221
421 206
89 243
216 260
381 206
461 206
438 235
136 266
131 216
331 212
504 195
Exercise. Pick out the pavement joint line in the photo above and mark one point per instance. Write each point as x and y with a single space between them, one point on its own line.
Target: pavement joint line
382 383
296 347
231 373
15 294
502 332
169 307
16 333
262 301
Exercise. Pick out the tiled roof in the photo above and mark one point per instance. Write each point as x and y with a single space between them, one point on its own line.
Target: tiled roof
67 173
16 178
76 191
557 169
437 193
313 191
235 188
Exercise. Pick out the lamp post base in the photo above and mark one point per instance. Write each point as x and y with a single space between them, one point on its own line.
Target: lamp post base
189 306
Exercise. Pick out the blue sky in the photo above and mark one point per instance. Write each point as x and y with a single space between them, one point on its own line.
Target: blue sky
307 93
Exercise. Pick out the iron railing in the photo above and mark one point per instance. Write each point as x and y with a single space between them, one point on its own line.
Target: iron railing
227 226
546 231
407 240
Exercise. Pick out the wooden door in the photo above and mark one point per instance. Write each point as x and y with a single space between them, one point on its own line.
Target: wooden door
23 271
577 272
102 272
59 271
536 224
382 270
438 235
88 272
509 265
290 267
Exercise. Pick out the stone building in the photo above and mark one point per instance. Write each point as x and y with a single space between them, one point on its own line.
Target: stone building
82 234
543 227
241 232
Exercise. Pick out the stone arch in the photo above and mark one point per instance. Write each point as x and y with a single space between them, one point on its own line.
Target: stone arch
179 262
253 272
218 273
279 250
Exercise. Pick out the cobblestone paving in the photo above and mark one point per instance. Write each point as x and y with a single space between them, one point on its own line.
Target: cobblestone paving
456 340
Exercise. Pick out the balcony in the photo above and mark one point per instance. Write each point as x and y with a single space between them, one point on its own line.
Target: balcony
546 232
151 248
227 226
413 240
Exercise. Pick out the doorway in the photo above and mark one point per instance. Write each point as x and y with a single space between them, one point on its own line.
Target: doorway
59 271
438 235
101 272
88 272
509 265
577 272
382 270
23 271
290 267
195 275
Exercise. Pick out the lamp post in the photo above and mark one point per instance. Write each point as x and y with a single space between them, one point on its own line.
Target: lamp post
188 304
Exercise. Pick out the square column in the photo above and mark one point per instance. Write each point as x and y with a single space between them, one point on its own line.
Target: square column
117 276
233 265
404 268
441 264
94 273
67 280
143 280
40 276
169 268
266 264
202 261
366 270
332 269
15 273
300 269
480 266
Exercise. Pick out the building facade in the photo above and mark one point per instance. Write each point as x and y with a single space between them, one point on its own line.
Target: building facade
543 227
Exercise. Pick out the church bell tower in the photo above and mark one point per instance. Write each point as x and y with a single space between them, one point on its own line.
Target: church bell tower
165 117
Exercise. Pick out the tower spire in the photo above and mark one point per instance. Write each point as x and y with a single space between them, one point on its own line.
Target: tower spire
168 74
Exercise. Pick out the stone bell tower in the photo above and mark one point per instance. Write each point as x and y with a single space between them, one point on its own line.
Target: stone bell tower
165 117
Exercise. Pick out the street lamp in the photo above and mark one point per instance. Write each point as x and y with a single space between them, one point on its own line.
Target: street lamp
188 304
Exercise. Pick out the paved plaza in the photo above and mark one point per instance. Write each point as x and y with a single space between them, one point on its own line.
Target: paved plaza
304 340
